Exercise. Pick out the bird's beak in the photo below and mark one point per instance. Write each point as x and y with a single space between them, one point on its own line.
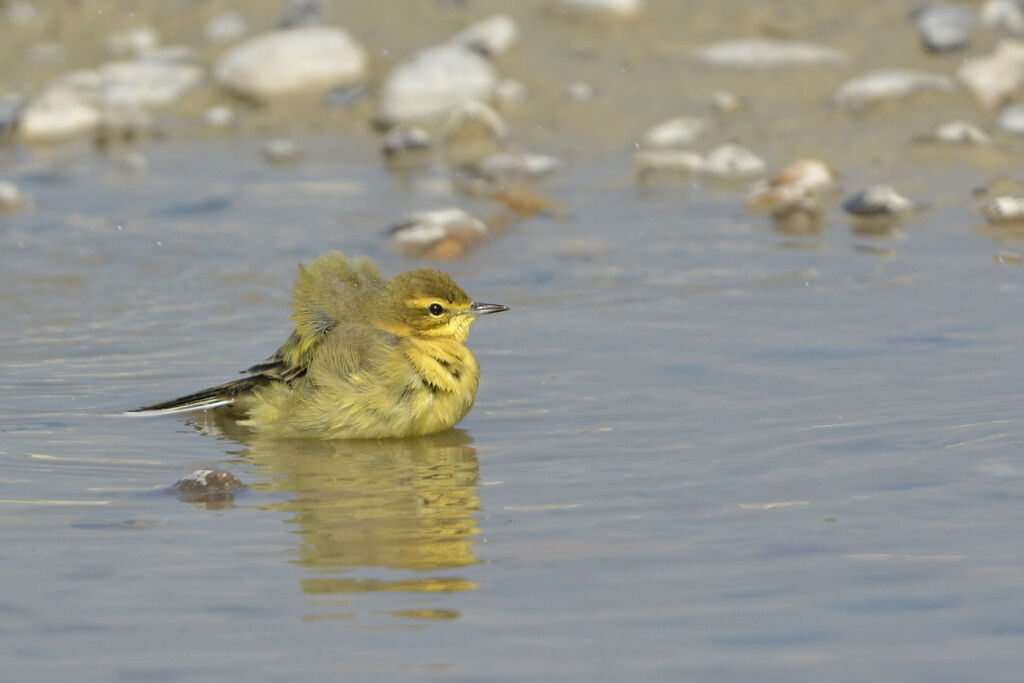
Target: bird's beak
484 309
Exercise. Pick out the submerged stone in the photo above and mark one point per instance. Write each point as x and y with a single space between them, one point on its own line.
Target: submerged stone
887 84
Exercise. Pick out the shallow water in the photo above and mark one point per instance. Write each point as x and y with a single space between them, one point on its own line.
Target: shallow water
702 449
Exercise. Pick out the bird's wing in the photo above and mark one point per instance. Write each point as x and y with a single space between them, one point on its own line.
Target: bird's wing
328 292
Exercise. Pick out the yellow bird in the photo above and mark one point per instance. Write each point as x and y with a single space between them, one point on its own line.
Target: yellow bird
369 358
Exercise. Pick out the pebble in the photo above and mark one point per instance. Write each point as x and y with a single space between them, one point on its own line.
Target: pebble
878 200
1003 14
132 41
11 198
797 183
522 165
1011 119
887 84
472 131
440 234
146 83
492 36
580 92
945 27
210 487
219 116
994 78
667 161
803 216
225 27
404 140
733 161
726 102
301 13
611 8
1004 209
287 62
281 151
431 82
58 113
346 96
1007 258
676 132
961 133
767 53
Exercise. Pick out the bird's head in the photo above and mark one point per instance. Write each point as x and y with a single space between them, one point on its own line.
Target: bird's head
429 303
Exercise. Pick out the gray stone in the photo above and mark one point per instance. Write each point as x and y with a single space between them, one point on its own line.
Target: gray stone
1011 119
945 27
878 200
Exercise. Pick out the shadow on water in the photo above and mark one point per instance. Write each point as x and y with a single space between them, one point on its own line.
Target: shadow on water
397 504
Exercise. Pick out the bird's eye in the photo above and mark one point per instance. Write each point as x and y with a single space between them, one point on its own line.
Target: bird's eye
436 309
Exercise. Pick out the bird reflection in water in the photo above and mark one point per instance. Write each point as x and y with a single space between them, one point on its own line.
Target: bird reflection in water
395 504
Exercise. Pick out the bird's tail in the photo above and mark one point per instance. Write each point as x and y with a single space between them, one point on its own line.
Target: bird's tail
213 397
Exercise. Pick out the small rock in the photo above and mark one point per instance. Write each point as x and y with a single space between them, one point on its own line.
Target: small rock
994 78
961 133
580 92
667 161
726 102
11 198
878 200
1003 14
945 27
288 62
1011 119
1004 209
145 83
59 112
794 185
504 166
767 53
220 116
132 41
431 82
509 93
281 151
733 161
301 13
492 36
802 216
404 140
886 84
214 488
611 8
676 132
444 233
225 27
471 132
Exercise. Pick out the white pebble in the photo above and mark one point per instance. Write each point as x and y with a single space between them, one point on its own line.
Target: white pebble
132 41
767 53
733 161
431 82
59 112
11 198
994 78
509 93
291 61
580 92
219 116
1011 119
281 151
1004 14
886 84
523 164
1006 209
676 132
492 36
417 232
146 83
961 133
